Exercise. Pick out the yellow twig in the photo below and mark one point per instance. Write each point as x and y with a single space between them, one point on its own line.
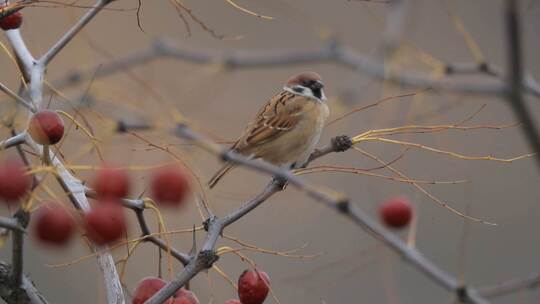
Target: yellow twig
248 11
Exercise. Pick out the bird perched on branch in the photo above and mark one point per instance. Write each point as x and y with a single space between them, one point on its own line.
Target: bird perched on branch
287 128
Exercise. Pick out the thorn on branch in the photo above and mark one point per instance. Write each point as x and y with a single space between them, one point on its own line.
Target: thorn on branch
206 223
194 244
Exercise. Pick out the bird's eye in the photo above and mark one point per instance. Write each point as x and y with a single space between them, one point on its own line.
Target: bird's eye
298 89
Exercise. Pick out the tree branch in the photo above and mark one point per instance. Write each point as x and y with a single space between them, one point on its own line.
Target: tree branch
10 223
17 257
207 256
13 141
515 77
34 72
511 286
25 294
74 30
332 52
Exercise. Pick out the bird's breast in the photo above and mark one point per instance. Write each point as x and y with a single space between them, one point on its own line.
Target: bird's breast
296 145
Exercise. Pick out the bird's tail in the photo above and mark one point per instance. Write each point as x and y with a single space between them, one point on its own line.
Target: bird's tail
215 179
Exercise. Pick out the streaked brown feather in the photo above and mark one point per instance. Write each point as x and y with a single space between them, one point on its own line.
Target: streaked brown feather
278 116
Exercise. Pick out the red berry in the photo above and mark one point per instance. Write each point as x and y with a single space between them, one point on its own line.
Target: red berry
111 183
253 287
105 223
46 127
11 22
233 302
151 285
184 296
146 289
396 212
170 186
14 182
54 225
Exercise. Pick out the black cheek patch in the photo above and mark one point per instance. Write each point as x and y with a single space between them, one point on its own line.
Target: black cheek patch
317 93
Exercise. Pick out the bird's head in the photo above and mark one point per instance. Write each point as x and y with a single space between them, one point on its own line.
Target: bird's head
308 84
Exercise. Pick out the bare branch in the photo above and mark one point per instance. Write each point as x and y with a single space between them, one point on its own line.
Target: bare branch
207 256
530 85
34 73
58 46
515 76
511 286
25 294
17 257
17 98
10 223
24 56
146 234
333 52
13 141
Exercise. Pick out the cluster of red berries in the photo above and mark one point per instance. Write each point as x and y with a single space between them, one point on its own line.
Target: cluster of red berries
151 285
253 287
105 223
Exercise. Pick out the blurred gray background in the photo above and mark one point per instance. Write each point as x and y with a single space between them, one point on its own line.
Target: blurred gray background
352 266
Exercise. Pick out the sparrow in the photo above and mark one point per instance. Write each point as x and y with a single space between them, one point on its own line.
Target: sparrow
286 129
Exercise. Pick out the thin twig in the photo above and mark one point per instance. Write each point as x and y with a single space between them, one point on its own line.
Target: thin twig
74 30
511 286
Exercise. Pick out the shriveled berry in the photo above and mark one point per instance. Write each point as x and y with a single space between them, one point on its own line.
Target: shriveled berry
253 287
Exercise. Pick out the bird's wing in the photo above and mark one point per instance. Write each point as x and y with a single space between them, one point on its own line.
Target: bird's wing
279 115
